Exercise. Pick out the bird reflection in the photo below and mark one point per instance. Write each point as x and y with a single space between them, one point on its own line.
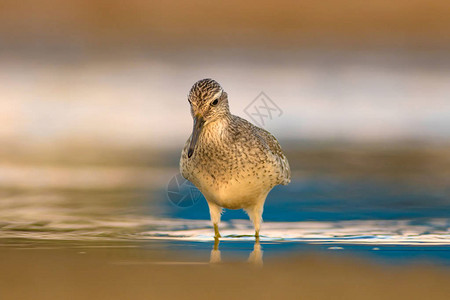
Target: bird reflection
255 258
215 253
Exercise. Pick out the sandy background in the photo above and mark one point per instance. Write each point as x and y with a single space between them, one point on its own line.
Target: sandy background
133 274
287 23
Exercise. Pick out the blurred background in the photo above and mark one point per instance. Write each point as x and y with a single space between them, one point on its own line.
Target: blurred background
97 74
94 111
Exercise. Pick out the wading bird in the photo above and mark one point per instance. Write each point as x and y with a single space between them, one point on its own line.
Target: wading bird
232 162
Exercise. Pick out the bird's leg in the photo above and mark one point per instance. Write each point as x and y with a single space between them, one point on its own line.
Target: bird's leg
216 244
215 213
255 215
216 231
215 253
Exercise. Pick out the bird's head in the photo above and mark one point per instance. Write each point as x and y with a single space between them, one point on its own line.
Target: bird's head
208 100
208 103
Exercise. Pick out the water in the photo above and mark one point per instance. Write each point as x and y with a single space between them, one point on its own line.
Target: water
382 221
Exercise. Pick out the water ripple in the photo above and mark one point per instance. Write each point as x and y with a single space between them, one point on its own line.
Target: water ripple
403 232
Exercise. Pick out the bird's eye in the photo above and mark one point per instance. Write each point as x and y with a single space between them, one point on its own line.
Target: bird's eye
214 103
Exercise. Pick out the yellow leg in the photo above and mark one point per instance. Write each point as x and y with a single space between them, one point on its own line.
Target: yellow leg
216 231
216 244
215 253
255 215
215 212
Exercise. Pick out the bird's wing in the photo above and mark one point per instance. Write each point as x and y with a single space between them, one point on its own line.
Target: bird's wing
271 143
277 152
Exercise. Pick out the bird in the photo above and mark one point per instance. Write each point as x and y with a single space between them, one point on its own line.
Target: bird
232 162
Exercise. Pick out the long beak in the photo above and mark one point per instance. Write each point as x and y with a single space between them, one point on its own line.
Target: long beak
198 126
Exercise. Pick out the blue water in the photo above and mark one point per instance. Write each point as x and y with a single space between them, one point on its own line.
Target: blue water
328 200
380 221
380 254
337 202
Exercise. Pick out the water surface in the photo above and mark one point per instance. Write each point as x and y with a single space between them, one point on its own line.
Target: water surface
390 223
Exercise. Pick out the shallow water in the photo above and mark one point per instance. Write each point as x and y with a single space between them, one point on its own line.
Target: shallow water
390 223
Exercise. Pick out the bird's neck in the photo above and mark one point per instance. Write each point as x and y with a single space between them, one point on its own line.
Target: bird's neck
217 129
